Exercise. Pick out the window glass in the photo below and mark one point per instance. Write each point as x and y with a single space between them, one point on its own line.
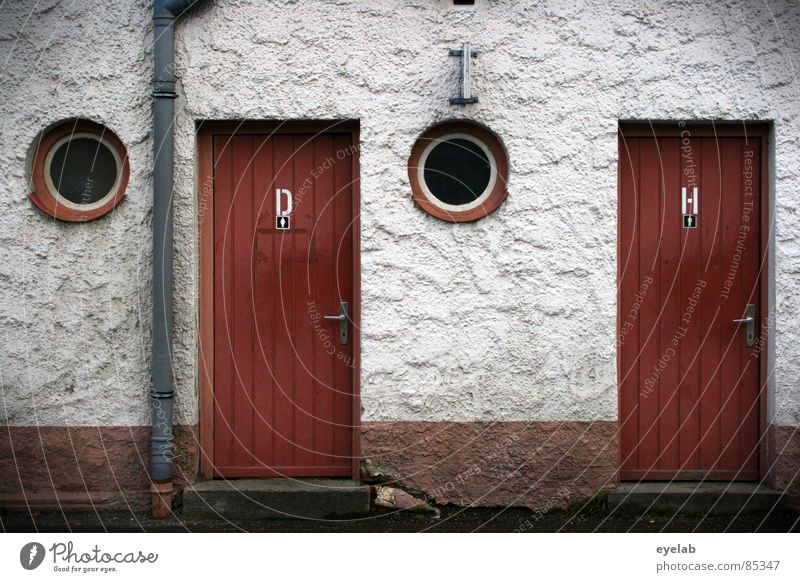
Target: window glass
457 171
83 170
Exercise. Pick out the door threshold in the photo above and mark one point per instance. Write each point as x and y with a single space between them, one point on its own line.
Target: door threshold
276 498
695 498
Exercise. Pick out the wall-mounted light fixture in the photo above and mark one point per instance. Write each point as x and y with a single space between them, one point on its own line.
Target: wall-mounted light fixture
465 53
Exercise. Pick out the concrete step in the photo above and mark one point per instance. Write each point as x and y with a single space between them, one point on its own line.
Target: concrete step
693 498
275 498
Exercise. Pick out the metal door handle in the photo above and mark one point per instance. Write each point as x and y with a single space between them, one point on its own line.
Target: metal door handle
343 323
749 320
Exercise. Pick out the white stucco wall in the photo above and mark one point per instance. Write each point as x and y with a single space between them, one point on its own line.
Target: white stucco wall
74 299
508 318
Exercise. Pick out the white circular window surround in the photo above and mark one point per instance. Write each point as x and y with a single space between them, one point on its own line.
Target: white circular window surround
104 199
458 171
79 171
482 197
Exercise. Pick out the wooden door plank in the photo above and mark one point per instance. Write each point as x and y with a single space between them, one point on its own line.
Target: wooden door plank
669 294
710 224
732 302
284 316
304 263
265 301
692 290
240 321
650 169
324 304
343 375
223 302
751 274
629 284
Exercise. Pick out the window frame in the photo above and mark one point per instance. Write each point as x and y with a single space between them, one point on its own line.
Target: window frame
489 200
46 197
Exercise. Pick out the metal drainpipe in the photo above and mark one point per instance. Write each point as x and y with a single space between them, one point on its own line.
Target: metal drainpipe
165 13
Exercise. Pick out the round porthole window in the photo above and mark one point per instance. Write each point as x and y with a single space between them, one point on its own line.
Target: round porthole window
80 171
458 172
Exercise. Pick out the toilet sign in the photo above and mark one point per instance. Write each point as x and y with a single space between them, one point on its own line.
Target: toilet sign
690 207
283 220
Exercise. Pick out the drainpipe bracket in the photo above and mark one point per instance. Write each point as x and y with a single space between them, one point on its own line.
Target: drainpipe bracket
164 95
158 395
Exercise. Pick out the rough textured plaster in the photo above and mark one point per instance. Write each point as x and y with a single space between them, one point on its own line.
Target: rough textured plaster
531 464
105 467
509 318
74 299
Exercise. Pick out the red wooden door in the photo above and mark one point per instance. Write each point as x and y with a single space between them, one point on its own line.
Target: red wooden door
688 381
283 376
